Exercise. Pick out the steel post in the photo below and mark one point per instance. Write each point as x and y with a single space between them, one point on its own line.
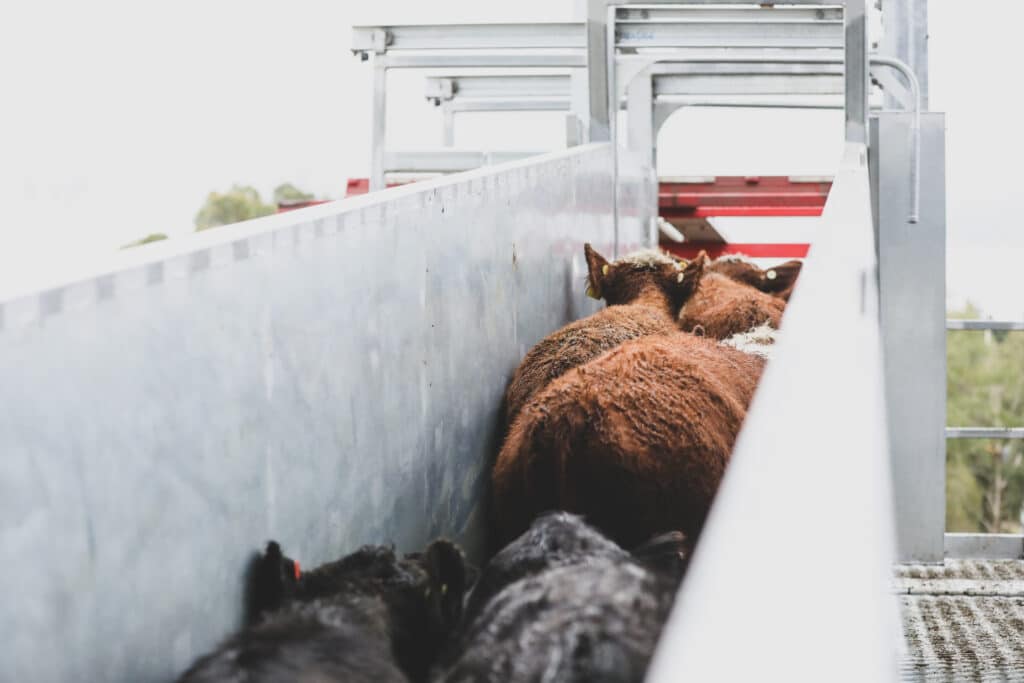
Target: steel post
378 132
912 275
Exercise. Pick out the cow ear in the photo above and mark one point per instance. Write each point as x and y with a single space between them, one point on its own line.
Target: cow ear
273 580
688 279
448 577
598 267
780 279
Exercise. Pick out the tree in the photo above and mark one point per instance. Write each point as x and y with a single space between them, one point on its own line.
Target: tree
984 477
240 203
152 237
286 192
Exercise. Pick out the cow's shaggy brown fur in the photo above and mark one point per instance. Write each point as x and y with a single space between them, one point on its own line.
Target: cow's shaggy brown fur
644 294
637 440
778 280
722 307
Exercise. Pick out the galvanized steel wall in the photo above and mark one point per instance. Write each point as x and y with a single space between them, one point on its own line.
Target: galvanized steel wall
327 378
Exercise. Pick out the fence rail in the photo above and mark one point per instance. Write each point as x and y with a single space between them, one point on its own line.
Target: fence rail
985 433
995 325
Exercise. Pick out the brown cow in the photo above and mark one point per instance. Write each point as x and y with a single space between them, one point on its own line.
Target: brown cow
644 292
722 307
637 440
778 280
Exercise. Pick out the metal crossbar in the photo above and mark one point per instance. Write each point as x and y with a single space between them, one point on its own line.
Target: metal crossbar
676 85
681 27
995 325
985 432
603 32
742 27
449 160
511 36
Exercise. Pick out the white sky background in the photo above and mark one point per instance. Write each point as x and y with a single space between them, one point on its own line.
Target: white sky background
119 118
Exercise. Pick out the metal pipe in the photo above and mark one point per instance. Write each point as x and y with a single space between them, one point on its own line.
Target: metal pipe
984 433
378 133
1001 325
670 231
915 155
877 60
855 55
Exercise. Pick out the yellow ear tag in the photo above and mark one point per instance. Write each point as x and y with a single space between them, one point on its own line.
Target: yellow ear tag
771 275
444 589
591 293
680 278
604 269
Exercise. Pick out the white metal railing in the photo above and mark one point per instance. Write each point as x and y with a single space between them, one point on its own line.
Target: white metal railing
985 432
690 27
790 580
995 325
818 30
742 56
675 86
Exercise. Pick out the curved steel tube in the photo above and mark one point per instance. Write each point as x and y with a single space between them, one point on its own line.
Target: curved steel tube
915 155
877 60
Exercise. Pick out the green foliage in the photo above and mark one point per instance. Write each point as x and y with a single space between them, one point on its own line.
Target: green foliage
287 192
240 203
152 237
964 498
984 478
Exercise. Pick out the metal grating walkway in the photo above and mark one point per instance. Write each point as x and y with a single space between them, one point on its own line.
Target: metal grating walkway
963 621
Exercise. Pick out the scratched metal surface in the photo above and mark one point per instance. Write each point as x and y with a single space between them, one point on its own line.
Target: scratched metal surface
327 378
963 620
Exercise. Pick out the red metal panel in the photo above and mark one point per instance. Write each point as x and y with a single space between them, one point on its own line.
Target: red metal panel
743 210
357 186
690 250
752 196
737 191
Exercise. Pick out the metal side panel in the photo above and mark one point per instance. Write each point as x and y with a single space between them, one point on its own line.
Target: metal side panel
327 377
912 282
756 604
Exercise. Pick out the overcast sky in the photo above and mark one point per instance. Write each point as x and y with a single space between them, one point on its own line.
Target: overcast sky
119 118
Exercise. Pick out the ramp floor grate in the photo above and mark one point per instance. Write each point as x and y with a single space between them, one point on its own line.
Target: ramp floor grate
963 620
